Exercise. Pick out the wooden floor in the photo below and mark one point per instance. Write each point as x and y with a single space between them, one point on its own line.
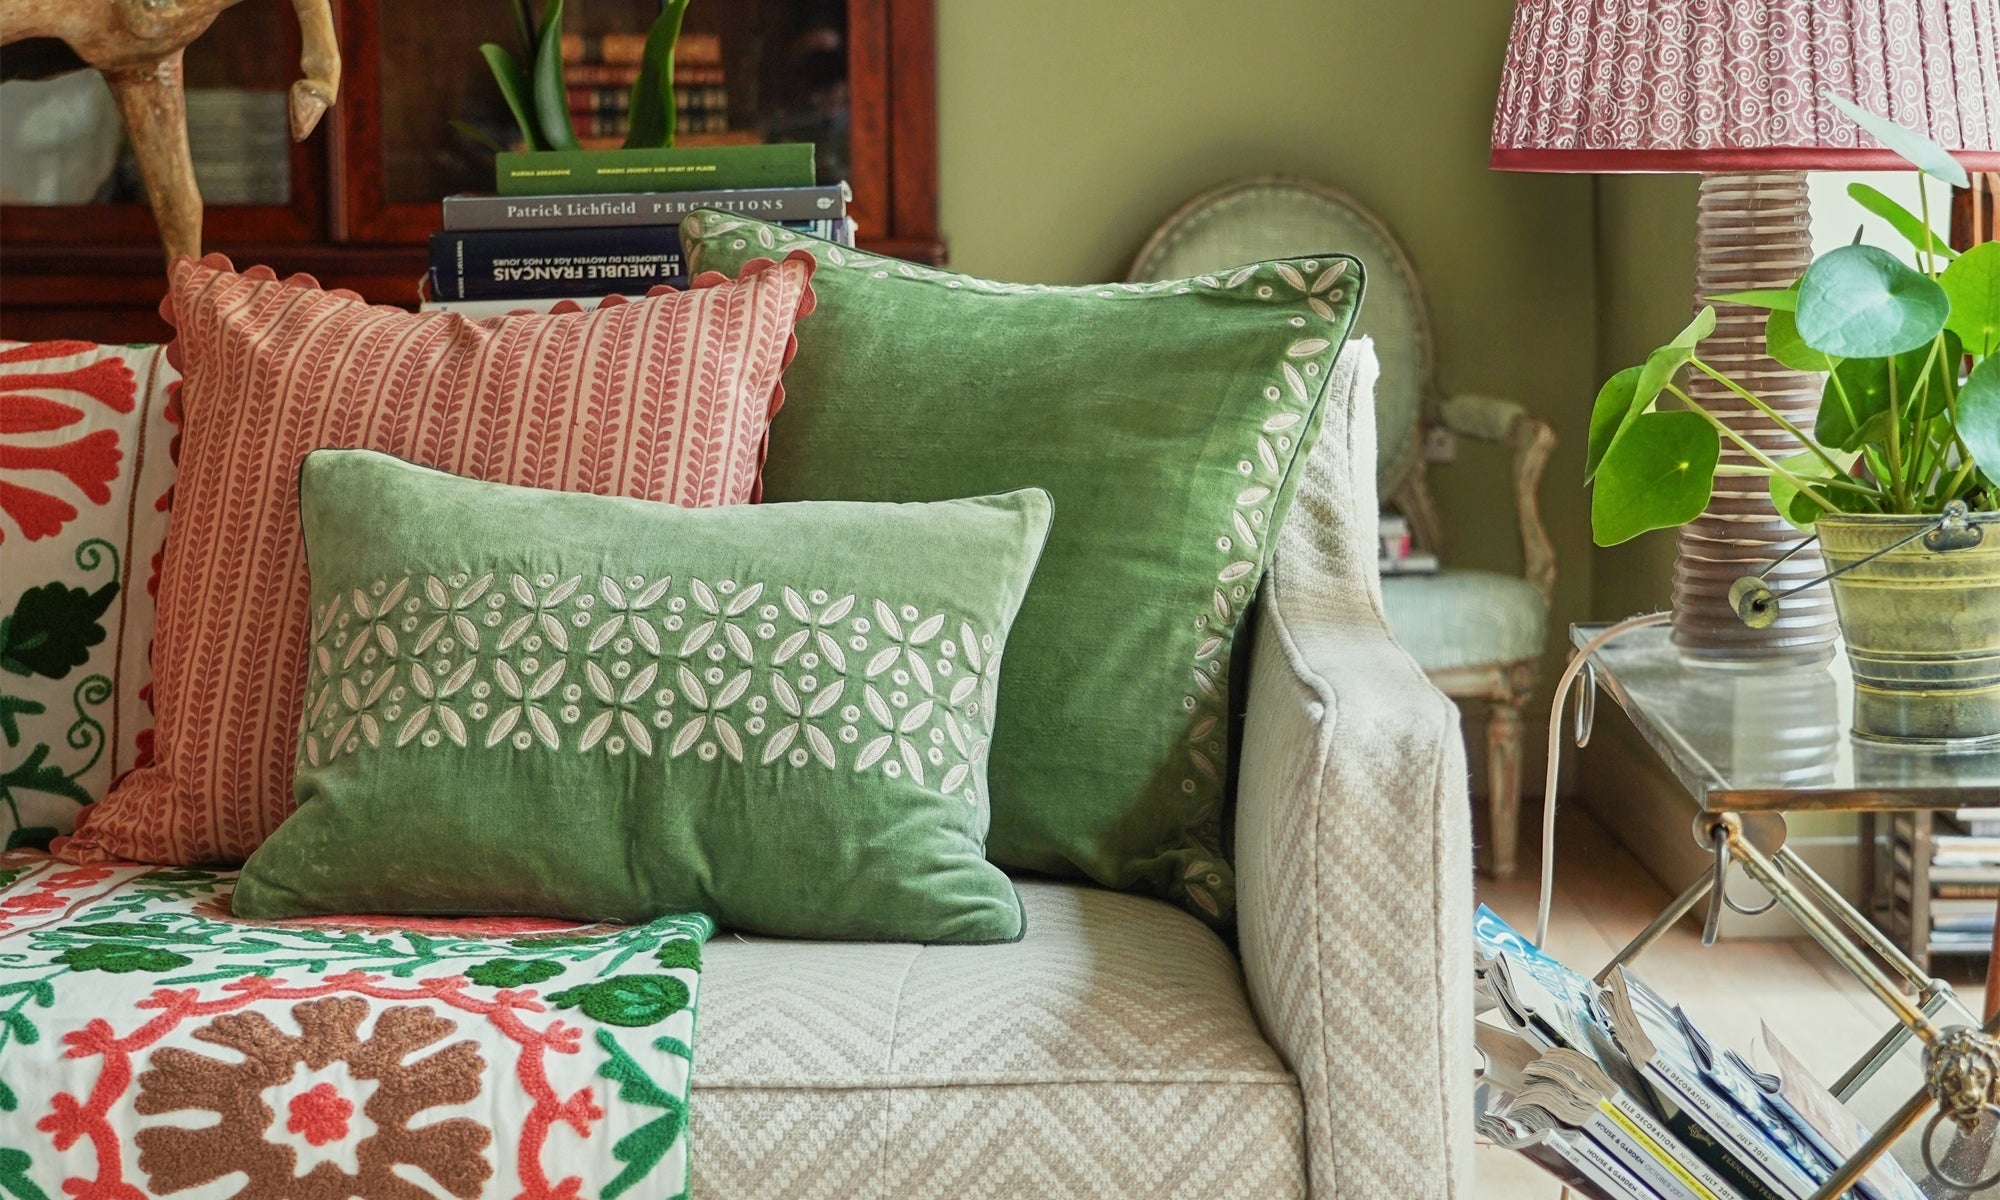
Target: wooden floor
1604 898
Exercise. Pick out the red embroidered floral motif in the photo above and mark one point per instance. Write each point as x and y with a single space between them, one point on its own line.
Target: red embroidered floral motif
320 1116
89 463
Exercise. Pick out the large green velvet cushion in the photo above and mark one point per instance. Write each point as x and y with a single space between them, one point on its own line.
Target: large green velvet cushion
1169 422
524 701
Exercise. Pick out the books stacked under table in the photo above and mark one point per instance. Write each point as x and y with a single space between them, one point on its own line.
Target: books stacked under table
1620 1095
583 224
1400 555
1965 880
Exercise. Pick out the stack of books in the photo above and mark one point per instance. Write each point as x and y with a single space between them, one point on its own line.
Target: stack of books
583 224
1965 880
1621 1096
1400 555
600 69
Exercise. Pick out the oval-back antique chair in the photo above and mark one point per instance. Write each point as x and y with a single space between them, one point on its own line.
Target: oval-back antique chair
1478 634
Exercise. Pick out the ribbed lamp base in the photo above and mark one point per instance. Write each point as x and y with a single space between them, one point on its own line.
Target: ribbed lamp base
1754 232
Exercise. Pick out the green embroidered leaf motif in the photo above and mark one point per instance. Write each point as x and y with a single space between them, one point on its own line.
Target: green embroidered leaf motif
53 628
21 1027
8 1101
685 954
673 1045
513 972
629 1000
642 1149
121 958
33 837
31 774
14 1166
12 708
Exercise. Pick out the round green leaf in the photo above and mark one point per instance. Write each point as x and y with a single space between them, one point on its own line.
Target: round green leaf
1866 385
628 1000
1784 345
1792 504
1608 415
1916 149
1862 302
1657 475
1972 284
1979 414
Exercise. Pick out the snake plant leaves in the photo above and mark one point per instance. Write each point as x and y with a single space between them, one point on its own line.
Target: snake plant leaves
1914 148
1972 284
1657 475
1866 385
1901 219
514 90
551 96
1979 414
654 111
1862 302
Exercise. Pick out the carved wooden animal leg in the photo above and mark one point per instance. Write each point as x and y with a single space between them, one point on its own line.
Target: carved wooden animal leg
155 110
319 59
1503 784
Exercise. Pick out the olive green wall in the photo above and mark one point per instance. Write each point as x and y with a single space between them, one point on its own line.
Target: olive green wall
1068 130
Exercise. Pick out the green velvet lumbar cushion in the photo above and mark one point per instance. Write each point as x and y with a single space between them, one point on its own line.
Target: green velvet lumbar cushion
1169 422
580 706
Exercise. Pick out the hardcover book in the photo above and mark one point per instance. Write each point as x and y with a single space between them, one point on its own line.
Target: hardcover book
641 208
501 264
680 169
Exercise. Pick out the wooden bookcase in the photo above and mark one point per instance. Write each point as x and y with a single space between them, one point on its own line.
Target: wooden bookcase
359 212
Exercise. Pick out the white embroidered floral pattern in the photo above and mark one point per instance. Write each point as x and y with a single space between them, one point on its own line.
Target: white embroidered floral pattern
1294 289
633 666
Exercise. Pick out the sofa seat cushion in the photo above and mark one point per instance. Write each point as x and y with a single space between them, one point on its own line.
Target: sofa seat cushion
1110 1052
1465 618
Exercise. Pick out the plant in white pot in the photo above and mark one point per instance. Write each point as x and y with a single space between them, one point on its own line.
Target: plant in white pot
1897 474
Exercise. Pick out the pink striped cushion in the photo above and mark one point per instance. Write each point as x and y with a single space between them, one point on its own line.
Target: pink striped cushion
666 398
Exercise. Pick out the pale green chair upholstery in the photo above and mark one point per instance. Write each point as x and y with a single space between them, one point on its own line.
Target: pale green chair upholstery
1478 634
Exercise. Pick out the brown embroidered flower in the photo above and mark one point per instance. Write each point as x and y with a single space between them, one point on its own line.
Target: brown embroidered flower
321 1116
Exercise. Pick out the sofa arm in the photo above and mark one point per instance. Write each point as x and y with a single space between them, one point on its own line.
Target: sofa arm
1354 854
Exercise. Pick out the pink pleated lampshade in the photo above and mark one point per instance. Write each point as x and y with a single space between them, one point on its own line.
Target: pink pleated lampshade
1741 85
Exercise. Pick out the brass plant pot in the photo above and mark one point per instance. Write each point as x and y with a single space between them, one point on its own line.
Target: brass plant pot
1922 628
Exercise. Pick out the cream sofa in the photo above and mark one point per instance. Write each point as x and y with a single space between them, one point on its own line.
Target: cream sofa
1121 1049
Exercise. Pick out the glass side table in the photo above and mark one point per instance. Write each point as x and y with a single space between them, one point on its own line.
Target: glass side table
1752 744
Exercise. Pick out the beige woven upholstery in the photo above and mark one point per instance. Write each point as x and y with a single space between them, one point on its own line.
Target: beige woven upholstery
1113 1052
1354 851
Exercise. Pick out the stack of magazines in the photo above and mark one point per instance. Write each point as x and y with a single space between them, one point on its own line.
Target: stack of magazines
1622 1097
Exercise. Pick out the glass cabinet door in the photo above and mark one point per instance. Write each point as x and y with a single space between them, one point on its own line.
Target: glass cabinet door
69 175
746 71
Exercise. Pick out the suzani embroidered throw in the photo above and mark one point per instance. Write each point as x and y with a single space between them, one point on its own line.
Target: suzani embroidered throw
667 398
154 1043
84 477
1169 422
521 701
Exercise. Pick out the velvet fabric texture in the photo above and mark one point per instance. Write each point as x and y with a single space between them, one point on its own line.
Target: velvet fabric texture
666 398
1168 421
528 702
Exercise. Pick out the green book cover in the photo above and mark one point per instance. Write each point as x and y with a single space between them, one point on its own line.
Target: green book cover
560 172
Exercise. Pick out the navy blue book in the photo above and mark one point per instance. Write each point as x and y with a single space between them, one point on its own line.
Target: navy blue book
520 264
